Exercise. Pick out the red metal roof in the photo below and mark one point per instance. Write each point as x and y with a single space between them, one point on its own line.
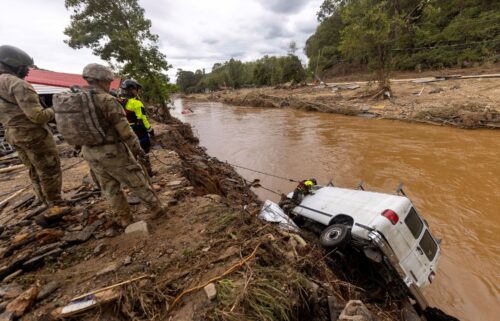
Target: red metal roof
60 79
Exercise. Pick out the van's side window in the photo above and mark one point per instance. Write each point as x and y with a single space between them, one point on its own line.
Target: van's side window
414 223
428 245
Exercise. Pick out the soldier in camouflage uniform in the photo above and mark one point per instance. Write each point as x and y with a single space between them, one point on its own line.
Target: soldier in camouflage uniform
112 162
25 121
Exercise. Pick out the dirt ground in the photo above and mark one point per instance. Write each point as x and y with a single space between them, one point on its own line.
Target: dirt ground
211 234
466 103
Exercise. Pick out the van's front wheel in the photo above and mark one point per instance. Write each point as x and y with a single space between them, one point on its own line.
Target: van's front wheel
335 235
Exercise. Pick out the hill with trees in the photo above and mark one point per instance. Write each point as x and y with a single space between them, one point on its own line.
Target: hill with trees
384 35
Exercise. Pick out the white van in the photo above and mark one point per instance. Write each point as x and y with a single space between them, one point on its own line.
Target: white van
368 220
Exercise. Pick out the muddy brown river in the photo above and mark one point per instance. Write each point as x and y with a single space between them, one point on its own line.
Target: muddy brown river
452 175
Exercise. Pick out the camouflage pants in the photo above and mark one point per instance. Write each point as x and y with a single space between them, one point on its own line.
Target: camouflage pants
38 152
113 166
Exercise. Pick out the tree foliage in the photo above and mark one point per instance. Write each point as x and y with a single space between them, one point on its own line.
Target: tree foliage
423 34
118 32
266 71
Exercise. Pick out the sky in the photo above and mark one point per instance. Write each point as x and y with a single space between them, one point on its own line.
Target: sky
193 34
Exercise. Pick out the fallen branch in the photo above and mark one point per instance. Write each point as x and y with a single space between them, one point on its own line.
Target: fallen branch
228 271
13 195
109 287
11 168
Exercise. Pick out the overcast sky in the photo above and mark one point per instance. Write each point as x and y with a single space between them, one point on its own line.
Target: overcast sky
194 34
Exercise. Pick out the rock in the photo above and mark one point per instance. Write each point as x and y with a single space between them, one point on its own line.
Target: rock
108 269
85 234
436 90
214 197
7 316
3 305
47 248
55 214
133 200
334 307
22 303
127 260
75 228
11 291
14 265
210 291
47 236
47 290
39 261
355 310
140 226
110 232
98 249
174 184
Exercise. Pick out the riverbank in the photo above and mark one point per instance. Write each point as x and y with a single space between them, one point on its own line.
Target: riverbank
464 103
211 235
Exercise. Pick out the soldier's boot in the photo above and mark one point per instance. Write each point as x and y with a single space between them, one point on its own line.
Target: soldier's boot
158 212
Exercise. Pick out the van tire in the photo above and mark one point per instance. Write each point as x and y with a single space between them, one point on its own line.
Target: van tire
335 235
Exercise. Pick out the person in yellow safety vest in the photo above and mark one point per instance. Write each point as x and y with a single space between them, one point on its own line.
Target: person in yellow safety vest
136 113
304 188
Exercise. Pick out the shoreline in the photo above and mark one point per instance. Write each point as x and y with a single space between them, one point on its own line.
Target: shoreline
467 103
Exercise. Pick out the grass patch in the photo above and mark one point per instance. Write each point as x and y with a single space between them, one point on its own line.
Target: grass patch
261 294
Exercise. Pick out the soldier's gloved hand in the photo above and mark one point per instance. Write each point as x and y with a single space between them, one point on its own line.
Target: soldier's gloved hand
151 132
139 154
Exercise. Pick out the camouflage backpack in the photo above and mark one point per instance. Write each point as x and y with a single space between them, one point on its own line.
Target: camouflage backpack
78 119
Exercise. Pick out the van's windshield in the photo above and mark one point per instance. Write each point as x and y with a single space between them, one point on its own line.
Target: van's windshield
428 245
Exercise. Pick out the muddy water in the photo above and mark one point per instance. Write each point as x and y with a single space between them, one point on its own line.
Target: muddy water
452 175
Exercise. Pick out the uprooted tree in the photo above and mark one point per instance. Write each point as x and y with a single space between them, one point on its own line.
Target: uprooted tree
118 32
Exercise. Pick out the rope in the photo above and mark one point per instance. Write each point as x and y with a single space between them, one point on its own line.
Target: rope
264 173
228 271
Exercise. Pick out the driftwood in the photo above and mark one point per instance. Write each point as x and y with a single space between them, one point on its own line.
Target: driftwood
11 168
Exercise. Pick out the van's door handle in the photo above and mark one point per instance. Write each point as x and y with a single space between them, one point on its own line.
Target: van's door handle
420 250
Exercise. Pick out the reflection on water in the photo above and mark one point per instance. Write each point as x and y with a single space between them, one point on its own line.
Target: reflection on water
452 175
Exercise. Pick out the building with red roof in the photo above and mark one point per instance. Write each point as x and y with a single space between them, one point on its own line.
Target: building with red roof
50 82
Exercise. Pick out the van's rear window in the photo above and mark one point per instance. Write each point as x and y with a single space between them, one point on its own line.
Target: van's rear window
428 245
414 223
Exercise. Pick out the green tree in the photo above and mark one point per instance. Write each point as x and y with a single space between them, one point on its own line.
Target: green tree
370 28
293 70
118 32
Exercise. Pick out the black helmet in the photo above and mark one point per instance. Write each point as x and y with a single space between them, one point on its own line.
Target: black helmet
14 57
130 83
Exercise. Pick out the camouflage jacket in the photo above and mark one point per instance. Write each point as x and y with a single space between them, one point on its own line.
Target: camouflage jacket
114 115
19 104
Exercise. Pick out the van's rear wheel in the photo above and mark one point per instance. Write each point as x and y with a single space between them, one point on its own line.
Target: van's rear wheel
335 235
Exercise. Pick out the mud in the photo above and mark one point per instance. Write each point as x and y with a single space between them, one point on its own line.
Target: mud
466 103
210 234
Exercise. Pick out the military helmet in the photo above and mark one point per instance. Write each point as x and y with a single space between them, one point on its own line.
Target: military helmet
130 83
97 72
14 57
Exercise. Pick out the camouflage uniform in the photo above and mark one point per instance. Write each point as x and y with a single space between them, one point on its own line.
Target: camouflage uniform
26 130
113 164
